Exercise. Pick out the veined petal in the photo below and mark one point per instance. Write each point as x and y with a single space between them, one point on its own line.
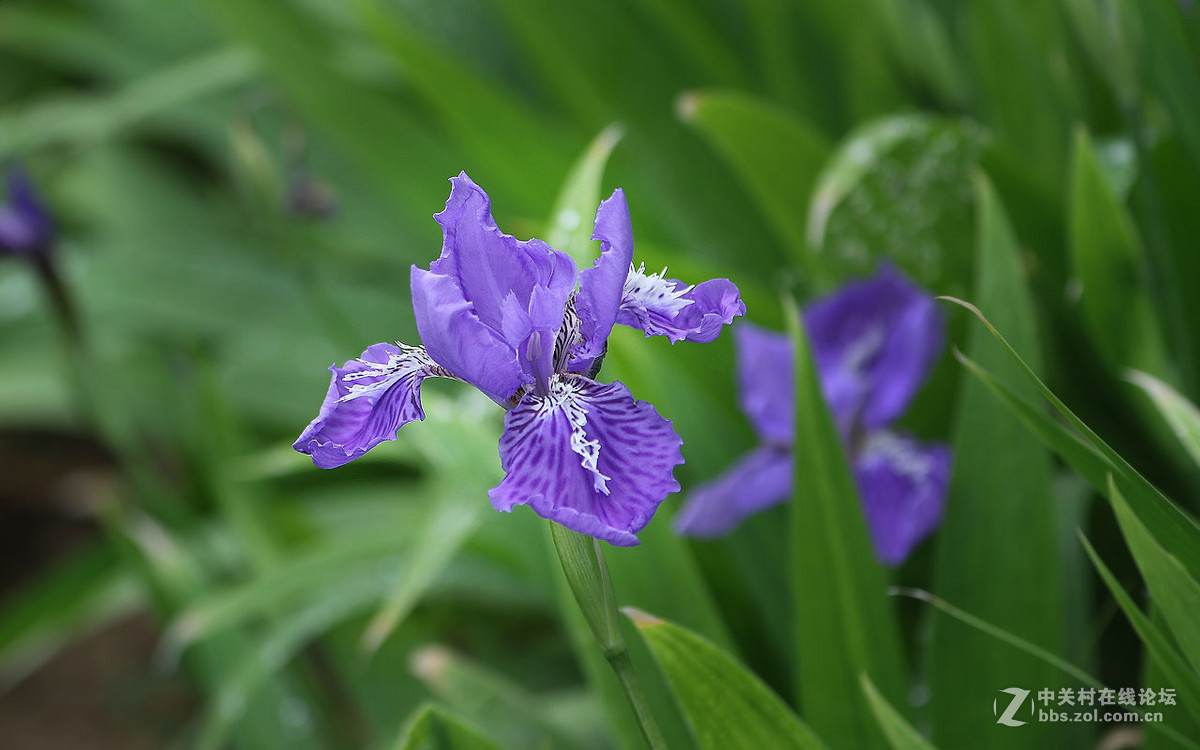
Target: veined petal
589 457
766 374
903 488
668 307
758 481
369 399
602 286
487 264
874 342
457 340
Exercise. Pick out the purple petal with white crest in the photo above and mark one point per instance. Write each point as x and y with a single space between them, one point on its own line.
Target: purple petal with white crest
874 342
766 374
368 400
589 457
902 484
602 285
487 264
761 479
457 340
668 307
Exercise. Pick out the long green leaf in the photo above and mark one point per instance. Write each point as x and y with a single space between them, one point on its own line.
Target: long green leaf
433 729
727 707
999 491
844 624
1182 416
900 734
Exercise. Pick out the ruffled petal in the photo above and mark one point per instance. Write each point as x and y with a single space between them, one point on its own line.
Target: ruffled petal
758 481
369 399
602 286
589 457
457 340
668 307
487 264
903 488
766 368
874 342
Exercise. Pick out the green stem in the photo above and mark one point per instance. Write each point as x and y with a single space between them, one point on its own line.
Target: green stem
587 574
623 666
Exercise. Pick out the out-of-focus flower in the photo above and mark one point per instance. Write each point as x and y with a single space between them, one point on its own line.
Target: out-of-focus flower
518 321
25 227
874 343
311 198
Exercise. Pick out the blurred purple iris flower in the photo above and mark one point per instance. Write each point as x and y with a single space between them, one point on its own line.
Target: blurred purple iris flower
25 227
519 322
874 343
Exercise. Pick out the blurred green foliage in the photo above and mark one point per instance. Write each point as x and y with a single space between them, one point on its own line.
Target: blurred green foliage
1041 159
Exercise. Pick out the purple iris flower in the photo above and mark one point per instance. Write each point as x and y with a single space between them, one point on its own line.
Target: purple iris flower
519 322
25 227
874 343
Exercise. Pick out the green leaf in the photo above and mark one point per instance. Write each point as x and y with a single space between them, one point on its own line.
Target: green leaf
844 623
900 734
898 189
999 491
570 225
920 42
1106 255
1180 414
1170 66
1158 645
1175 592
726 706
434 729
506 711
776 154
1174 529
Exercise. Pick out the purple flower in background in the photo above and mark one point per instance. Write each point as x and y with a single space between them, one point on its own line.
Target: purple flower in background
874 343
519 322
25 227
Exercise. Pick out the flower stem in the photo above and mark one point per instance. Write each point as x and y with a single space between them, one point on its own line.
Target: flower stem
587 574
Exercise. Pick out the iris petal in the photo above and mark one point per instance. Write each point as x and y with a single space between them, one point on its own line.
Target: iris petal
761 479
766 370
903 488
368 400
668 307
602 285
458 341
589 457
487 264
874 342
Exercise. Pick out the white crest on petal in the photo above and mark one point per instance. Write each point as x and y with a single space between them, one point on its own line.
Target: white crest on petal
564 395
410 361
653 292
900 455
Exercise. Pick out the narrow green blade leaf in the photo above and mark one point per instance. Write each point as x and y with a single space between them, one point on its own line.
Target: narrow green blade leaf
1175 593
900 734
999 491
1106 254
1158 645
776 155
570 226
434 729
727 707
844 624
1181 415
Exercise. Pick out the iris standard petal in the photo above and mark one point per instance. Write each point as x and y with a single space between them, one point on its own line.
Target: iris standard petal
487 264
758 481
457 340
534 331
874 342
589 457
902 484
766 376
668 307
602 286
369 399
